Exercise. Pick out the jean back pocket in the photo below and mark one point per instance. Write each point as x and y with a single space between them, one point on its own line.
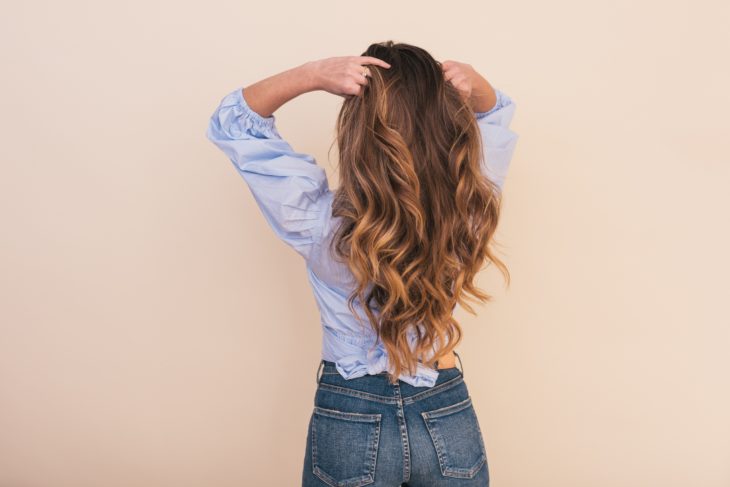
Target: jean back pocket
344 447
457 438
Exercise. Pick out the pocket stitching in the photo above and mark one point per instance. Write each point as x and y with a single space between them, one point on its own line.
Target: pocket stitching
450 409
369 478
438 442
348 416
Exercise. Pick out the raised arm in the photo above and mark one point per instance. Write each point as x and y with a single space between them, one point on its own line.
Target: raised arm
267 95
493 110
341 75
498 139
290 188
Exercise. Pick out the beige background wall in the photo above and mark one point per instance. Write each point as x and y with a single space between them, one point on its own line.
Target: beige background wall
142 293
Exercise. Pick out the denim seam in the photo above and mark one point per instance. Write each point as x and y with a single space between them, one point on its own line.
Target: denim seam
404 435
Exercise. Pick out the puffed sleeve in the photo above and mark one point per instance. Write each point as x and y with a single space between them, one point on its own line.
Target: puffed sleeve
498 140
289 187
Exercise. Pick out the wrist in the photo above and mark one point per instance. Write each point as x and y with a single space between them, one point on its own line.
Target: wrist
309 76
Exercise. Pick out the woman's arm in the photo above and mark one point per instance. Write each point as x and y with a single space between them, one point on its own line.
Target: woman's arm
493 110
498 139
340 75
483 95
475 88
289 186
267 95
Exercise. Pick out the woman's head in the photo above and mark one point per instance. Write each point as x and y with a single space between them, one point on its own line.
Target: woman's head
418 213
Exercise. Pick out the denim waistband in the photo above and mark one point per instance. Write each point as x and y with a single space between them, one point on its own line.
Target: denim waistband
377 388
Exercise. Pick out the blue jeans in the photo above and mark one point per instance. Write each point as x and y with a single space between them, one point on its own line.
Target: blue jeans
367 432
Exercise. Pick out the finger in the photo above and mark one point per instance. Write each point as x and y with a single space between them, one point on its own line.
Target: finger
361 79
360 72
354 90
372 60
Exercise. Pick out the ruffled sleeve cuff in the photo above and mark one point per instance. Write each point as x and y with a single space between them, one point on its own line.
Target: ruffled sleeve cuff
237 120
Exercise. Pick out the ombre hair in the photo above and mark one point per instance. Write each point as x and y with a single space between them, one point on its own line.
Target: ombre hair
418 213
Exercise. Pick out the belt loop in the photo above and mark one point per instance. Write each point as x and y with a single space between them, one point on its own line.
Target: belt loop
321 363
462 365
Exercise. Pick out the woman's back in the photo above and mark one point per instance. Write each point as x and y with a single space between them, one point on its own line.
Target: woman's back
293 194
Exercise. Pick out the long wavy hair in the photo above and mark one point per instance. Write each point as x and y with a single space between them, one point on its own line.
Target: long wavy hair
418 214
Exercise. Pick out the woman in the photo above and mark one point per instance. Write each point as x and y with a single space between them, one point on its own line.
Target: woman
424 148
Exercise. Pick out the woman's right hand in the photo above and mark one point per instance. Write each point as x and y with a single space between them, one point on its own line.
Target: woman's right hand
343 75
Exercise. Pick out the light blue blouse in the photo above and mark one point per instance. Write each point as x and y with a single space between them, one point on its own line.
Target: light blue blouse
293 194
